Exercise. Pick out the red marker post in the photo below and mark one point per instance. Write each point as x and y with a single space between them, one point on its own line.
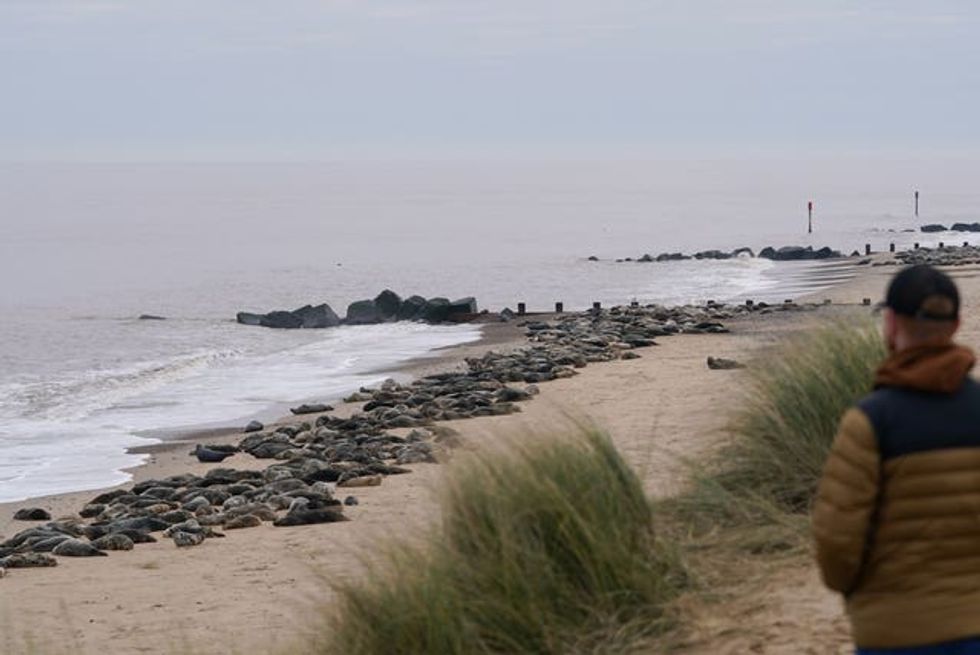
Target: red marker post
809 217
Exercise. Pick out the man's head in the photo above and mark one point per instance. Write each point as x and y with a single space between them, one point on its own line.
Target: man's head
922 307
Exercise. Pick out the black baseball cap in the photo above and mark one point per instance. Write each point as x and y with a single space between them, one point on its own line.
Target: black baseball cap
924 292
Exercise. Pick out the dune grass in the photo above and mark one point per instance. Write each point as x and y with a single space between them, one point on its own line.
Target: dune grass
781 433
547 546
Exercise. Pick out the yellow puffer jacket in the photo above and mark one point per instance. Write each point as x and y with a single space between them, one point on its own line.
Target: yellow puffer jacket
897 515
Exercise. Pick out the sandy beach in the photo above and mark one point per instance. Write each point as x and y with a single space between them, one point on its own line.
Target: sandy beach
598 279
259 590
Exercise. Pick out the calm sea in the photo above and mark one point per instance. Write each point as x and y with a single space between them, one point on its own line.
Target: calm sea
86 248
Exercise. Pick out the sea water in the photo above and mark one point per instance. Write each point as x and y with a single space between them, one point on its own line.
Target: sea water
69 430
86 248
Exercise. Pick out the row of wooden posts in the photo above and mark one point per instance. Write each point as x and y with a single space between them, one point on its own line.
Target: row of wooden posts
560 307
915 246
597 306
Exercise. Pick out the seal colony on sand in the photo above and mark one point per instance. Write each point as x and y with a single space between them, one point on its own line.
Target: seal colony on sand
313 458
945 256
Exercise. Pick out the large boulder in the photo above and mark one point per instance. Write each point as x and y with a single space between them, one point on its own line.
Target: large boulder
738 252
933 227
321 316
797 253
826 253
282 319
793 253
463 309
363 312
308 316
965 227
248 318
436 310
412 308
712 254
389 304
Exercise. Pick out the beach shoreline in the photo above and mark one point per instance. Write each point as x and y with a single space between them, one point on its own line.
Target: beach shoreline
170 454
160 455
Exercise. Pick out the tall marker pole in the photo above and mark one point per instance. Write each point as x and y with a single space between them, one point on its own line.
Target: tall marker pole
917 204
809 217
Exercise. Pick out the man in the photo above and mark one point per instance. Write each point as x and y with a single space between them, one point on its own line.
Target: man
897 514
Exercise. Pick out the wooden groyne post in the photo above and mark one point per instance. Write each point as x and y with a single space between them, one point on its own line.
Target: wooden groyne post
867 249
521 309
559 307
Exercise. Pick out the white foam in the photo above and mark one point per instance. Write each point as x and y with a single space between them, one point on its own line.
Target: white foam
71 434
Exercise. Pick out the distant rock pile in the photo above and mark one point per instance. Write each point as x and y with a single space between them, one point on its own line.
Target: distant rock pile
786 253
308 316
955 227
798 253
386 307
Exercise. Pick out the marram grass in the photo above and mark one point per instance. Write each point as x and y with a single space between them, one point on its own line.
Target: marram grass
549 546
797 394
545 547
782 430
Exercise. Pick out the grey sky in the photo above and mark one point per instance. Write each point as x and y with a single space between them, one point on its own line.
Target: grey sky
307 79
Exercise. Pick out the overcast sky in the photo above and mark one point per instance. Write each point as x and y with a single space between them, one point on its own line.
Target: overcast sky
328 79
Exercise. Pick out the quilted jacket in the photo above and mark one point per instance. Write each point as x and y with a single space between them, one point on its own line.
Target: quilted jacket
896 519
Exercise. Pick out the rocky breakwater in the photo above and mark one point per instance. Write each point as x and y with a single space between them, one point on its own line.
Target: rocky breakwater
785 253
955 227
312 463
386 307
798 253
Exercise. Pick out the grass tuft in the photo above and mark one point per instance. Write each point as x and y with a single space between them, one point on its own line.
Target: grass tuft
764 482
545 547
